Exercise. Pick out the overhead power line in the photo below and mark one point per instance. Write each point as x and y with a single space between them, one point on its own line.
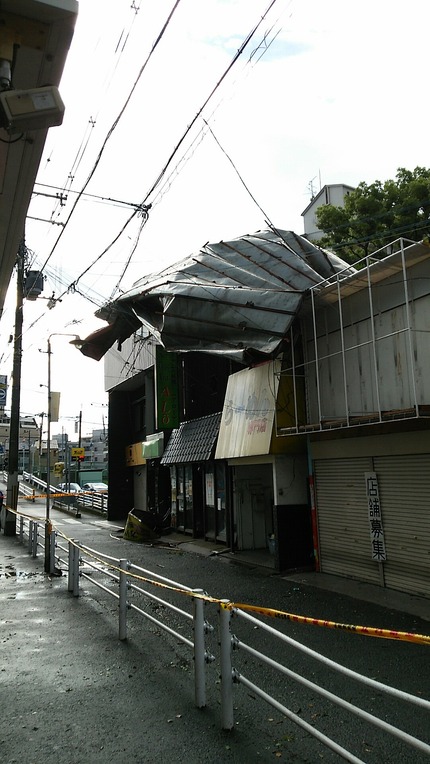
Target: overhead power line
109 134
144 207
86 194
205 103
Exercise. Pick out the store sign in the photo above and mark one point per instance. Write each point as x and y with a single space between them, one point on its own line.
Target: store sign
153 446
248 412
3 390
166 369
54 406
375 518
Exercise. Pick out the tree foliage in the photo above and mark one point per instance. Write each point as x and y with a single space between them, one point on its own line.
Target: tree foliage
375 215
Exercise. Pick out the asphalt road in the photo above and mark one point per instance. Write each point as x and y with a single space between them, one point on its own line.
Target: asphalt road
72 692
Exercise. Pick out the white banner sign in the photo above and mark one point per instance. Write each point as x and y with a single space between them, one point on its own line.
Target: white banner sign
375 518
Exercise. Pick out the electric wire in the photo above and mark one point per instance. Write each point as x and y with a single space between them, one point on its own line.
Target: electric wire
238 174
201 133
108 136
144 205
86 194
235 58
248 66
119 50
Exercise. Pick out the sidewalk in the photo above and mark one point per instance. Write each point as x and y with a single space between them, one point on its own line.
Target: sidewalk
71 692
388 598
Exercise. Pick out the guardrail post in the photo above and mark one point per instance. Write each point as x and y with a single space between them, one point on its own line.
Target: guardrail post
34 540
30 536
76 560
226 667
21 529
123 564
52 551
70 569
199 650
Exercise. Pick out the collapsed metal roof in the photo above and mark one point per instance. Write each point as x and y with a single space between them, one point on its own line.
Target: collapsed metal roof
237 298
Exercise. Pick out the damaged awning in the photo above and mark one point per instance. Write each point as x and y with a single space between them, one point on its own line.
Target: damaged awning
193 441
237 298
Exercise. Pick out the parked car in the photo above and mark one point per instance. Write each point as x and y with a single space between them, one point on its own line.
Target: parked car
69 488
96 487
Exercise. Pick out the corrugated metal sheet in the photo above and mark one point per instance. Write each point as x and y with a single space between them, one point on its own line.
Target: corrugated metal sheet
404 492
404 489
343 524
236 297
193 441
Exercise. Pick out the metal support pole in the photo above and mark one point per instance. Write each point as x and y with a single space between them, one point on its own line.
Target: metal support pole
52 545
77 341
30 536
414 370
34 540
71 569
199 650
226 668
48 470
123 586
76 560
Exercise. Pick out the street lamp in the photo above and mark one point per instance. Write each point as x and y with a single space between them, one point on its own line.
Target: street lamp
77 342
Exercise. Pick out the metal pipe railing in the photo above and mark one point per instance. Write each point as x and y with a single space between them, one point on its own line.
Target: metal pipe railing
230 675
126 578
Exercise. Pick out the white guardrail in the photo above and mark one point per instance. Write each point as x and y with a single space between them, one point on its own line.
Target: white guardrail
30 485
133 586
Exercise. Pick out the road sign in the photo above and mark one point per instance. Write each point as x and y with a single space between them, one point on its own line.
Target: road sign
77 452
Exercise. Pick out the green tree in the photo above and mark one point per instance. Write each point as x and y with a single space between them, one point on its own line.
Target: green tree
375 215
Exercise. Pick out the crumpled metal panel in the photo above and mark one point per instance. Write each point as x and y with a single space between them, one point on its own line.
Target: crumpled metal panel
236 297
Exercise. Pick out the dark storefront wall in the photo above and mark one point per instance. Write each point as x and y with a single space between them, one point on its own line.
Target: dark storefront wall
253 505
120 475
199 500
186 498
215 502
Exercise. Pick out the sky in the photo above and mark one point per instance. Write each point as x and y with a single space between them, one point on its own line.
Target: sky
324 93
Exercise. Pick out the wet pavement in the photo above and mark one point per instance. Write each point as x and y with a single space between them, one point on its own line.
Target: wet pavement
72 692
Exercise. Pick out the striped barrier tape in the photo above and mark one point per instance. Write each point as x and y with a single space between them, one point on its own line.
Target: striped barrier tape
368 631
71 494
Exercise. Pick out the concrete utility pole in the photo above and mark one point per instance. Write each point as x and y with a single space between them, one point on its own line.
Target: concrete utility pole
9 518
77 342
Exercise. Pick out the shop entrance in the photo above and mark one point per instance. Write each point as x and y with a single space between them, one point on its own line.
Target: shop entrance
253 505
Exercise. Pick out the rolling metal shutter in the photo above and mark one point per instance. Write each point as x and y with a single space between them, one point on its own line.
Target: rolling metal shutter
404 490
343 524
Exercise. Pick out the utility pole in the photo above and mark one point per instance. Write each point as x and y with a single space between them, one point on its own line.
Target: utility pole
42 414
79 444
9 518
